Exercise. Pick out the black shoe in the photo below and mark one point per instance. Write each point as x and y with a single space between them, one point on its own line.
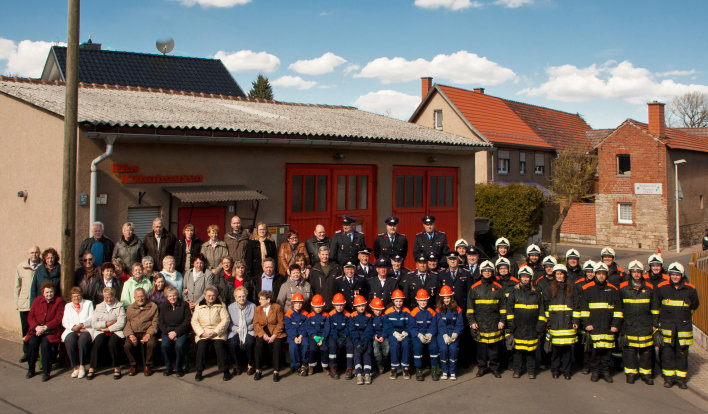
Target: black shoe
258 375
45 377
418 374
648 380
497 374
276 377
227 375
180 374
23 359
668 383
89 375
682 385
381 370
198 377
516 375
586 371
631 378
607 377
29 374
567 376
434 375
482 371
555 375
167 372
595 377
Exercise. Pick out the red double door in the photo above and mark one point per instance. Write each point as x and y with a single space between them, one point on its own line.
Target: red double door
201 218
418 191
322 194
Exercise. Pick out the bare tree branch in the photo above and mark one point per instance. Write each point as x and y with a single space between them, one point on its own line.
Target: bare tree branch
689 110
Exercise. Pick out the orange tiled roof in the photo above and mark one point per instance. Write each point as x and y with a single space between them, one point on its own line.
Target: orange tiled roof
508 122
680 138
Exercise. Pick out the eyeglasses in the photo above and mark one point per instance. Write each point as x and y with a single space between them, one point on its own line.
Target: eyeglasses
87 260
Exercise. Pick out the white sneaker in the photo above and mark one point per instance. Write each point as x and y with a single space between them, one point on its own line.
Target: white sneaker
443 376
452 377
82 372
75 373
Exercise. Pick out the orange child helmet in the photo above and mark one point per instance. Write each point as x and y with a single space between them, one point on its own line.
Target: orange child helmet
445 291
397 294
359 300
317 300
297 297
376 304
422 294
339 299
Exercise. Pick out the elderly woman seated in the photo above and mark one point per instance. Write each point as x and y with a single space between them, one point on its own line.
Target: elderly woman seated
173 320
107 323
140 328
77 334
45 328
210 321
269 329
241 339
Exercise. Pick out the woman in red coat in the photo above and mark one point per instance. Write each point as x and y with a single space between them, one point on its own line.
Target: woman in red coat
45 329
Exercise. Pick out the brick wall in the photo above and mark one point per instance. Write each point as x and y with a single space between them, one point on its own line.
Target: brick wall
579 224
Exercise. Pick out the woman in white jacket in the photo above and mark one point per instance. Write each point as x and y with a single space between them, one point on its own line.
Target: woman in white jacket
108 323
78 334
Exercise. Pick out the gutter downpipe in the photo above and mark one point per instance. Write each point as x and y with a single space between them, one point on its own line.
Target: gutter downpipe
94 178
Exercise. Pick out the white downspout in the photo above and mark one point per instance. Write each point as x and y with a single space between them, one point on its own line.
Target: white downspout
94 179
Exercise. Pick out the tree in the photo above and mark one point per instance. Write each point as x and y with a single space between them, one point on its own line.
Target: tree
572 180
261 89
689 110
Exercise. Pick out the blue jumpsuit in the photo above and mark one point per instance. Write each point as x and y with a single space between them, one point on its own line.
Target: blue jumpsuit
380 349
398 321
449 322
317 325
424 322
338 338
296 325
361 334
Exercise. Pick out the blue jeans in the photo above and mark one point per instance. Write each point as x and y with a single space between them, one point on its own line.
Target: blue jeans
179 345
381 351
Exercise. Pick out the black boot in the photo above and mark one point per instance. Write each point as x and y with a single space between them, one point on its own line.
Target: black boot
631 378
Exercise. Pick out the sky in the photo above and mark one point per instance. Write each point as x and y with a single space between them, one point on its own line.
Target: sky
603 59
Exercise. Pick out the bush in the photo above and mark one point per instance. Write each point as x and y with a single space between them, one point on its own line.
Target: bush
515 211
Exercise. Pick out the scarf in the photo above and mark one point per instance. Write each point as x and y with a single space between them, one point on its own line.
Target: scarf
263 249
170 276
77 307
242 328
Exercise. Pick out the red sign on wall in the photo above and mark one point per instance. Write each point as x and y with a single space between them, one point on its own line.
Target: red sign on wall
129 174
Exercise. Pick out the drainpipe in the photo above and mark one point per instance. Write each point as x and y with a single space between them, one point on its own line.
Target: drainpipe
94 178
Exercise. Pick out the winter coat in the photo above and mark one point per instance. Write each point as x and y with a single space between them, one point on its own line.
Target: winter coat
129 251
175 318
323 284
225 287
141 319
236 243
525 316
195 287
101 315
88 243
601 307
560 315
41 275
24 274
252 256
677 306
195 246
273 324
641 313
286 255
289 288
486 308
212 317
167 247
83 316
97 286
235 310
49 314
313 248
214 254
127 296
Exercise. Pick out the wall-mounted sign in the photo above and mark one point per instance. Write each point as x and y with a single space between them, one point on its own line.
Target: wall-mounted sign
83 199
648 188
101 199
129 174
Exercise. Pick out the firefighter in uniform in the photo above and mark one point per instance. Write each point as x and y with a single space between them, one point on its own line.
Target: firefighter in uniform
705 240
461 249
471 264
423 330
450 325
641 318
430 240
421 278
295 321
533 260
572 262
486 315
339 337
601 314
391 243
561 325
583 355
503 249
361 335
457 278
317 334
543 282
397 318
434 263
364 268
678 300
398 271
656 273
347 243
615 275
350 285
508 283
525 318
383 285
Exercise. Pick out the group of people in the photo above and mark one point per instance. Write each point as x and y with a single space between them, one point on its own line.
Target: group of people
335 307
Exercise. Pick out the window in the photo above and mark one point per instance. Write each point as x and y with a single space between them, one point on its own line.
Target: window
624 213
409 191
624 165
309 193
441 191
540 165
522 163
503 165
437 118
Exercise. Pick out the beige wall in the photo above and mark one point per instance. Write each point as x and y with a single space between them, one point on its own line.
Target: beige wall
32 143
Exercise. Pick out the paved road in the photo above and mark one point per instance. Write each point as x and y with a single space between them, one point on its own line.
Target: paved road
318 394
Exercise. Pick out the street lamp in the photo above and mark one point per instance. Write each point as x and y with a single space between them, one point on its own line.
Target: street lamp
676 164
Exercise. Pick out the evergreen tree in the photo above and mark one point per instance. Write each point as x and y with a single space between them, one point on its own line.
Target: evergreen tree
261 89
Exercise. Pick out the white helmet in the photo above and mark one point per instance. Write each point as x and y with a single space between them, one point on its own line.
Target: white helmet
655 259
533 249
636 265
525 271
460 242
502 241
503 261
572 253
561 267
549 261
675 267
601 267
589 265
607 251
486 265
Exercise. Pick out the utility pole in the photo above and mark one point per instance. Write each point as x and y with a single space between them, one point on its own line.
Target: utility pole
71 109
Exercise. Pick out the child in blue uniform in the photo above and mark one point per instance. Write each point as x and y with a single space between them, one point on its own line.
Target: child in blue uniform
361 334
450 325
339 337
423 331
296 327
396 321
317 333
380 342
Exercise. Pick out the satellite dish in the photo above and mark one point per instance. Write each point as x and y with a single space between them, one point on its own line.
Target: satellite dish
165 46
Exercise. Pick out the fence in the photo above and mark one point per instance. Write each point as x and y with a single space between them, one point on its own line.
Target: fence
698 276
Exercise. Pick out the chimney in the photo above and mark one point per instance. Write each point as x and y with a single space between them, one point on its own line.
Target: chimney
425 85
479 90
90 45
656 119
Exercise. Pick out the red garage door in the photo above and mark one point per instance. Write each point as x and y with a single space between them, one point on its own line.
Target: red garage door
322 194
418 191
201 218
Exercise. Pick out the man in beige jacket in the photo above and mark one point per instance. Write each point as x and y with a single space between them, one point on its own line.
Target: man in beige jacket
140 328
23 285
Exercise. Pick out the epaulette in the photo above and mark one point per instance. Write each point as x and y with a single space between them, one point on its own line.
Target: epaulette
589 284
459 309
289 313
649 285
347 314
368 315
580 281
624 284
664 283
513 279
404 309
415 312
688 284
479 282
389 310
612 286
311 314
495 283
432 312
619 269
303 313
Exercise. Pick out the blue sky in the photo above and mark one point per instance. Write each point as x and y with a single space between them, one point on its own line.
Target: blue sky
602 59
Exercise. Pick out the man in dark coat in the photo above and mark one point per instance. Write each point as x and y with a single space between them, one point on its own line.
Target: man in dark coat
350 285
383 285
347 243
322 277
421 278
391 243
365 269
314 243
430 240
159 243
99 245
237 239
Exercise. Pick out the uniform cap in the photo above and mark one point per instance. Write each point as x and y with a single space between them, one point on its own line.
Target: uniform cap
655 259
397 258
364 251
503 261
397 294
452 256
349 264
589 265
338 299
359 300
676 268
636 265
607 251
549 261
428 219
561 267
377 304
525 271
391 221
382 263
472 250
445 291
486 265
533 249
601 267
460 242
348 220
502 241
317 300
297 297
432 257
421 259
422 294
572 253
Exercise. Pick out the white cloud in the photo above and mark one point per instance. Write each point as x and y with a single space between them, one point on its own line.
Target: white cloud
247 60
215 3
351 68
512 4
390 103
294 82
318 66
26 58
448 4
610 80
460 67
672 73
